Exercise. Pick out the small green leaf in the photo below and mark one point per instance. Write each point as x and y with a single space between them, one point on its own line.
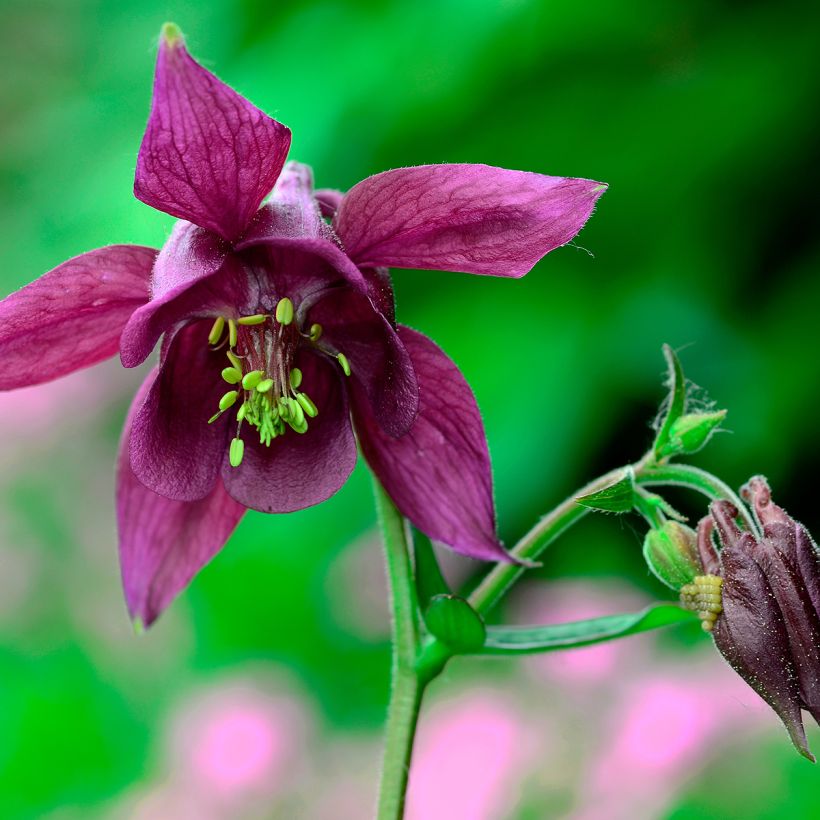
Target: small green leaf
429 580
618 497
453 621
676 401
516 640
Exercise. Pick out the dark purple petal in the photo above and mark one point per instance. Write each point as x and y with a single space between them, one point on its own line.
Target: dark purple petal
439 473
300 246
191 253
164 543
471 218
751 635
791 562
174 451
208 155
329 200
298 471
380 291
72 316
706 547
224 292
379 362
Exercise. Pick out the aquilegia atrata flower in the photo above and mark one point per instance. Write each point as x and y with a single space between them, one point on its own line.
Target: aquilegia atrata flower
762 598
277 325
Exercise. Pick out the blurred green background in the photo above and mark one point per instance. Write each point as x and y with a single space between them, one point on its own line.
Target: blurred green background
702 117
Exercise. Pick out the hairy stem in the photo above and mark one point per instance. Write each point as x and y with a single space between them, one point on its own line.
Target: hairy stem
407 682
647 473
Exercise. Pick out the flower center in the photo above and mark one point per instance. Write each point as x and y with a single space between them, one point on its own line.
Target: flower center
704 596
260 352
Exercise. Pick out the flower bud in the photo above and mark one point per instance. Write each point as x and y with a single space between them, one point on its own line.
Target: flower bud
672 555
691 432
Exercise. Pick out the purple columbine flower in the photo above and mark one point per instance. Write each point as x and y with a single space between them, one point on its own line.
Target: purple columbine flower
277 326
761 600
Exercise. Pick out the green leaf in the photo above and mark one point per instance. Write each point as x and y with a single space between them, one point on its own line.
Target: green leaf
429 580
517 640
452 620
618 497
676 400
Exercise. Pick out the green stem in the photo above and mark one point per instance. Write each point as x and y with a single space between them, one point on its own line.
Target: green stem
502 576
684 475
647 473
408 677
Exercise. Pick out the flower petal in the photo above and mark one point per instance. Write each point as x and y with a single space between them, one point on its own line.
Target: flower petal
164 543
208 155
190 254
751 635
299 243
72 316
439 473
223 292
174 451
471 218
298 471
379 362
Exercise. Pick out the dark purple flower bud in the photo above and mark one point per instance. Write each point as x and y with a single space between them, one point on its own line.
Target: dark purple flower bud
768 627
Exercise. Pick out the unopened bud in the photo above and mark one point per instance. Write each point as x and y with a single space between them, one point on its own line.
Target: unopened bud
691 432
672 554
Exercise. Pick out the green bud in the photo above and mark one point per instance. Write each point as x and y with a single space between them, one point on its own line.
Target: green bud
236 452
250 380
452 620
216 331
232 375
307 405
295 378
344 363
691 432
672 554
315 332
256 319
264 386
228 400
284 311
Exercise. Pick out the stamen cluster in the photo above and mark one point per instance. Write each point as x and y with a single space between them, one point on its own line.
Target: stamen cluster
260 352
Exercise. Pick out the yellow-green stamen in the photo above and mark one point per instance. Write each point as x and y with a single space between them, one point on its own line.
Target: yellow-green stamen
233 333
232 375
284 311
704 596
345 364
216 331
236 452
315 332
256 319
